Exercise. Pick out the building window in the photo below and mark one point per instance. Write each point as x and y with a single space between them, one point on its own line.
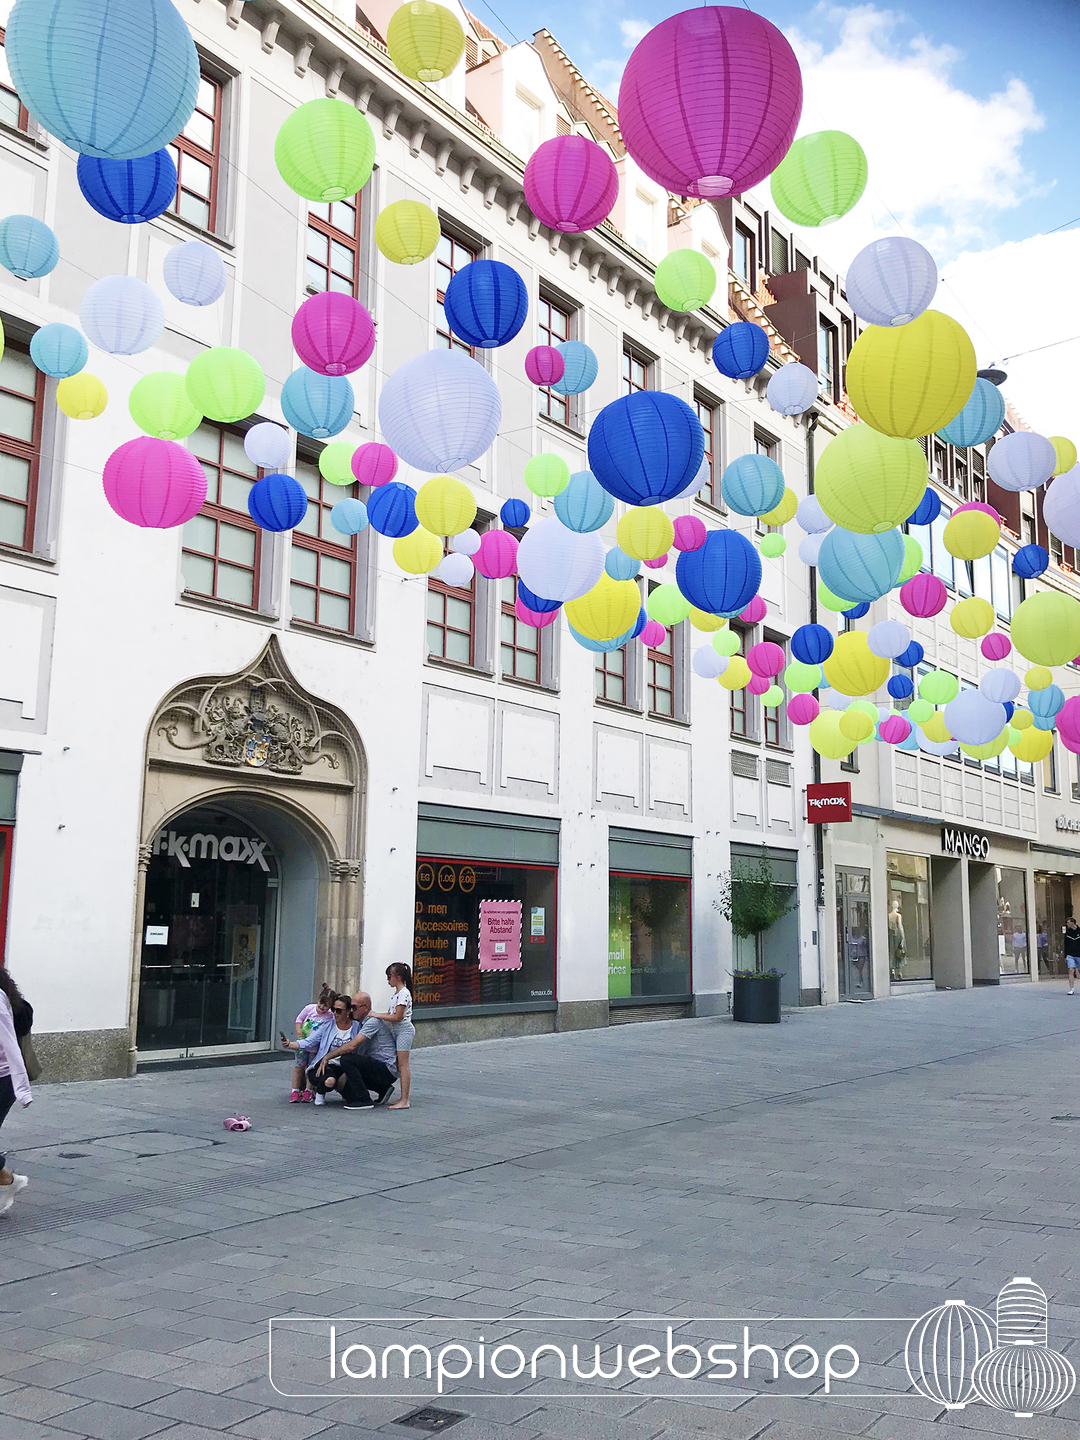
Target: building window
740 699
910 950
961 479
1057 552
644 223
196 153
520 642
661 678
828 369
333 246
764 444
554 328
451 621
450 257
743 256
709 414
322 586
1049 772
636 372
774 725
611 676
12 111
22 395
222 544
779 253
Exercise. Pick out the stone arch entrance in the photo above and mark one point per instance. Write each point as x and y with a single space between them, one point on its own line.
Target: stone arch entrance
250 885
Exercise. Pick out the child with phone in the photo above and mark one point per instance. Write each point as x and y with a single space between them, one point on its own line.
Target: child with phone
311 1017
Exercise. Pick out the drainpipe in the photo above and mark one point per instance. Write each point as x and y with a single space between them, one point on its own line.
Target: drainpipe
819 840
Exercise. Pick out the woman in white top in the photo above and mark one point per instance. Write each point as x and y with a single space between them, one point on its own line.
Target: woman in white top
399 1018
14 1082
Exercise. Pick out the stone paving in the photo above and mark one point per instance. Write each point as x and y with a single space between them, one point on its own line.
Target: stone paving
861 1161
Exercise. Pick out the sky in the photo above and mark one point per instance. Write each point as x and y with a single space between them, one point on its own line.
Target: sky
967 112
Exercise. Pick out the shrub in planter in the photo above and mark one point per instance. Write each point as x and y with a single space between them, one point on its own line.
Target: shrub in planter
752 903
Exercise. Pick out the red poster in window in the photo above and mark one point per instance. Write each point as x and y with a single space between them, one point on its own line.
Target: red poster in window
827 804
500 934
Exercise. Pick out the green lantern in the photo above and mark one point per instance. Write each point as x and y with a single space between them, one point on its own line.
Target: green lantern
836 603
772 546
668 605
773 697
225 384
335 462
939 687
820 178
325 150
547 475
913 559
159 405
425 40
800 678
685 280
919 711
726 642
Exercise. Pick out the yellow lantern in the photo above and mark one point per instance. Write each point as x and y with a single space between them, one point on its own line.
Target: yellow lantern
736 675
1022 719
418 553
1038 678
407 232
606 611
989 750
972 618
645 533
827 738
935 729
1034 745
82 396
702 620
782 513
1065 451
971 534
853 668
856 725
909 380
425 40
868 482
1046 628
445 506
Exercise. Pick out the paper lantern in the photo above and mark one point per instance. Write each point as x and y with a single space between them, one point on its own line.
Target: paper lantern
702 620
810 516
1068 724
759 684
268 445
374 464
938 687
710 101
812 644
923 596
827 738
571 184
723 575
534 601
920 711
971 534
894 729
349 516
792 390
765 658
1030 560
621 566
335 462
515 514
419 552
333 334
856 725
486 303
981 506
59 351
445 506
936 730
537 619
497 555
325 150
225 384
668 605
927 510
862 567
1034 745
888 638
547 475
392 510
891 281
772 546
455 570
1021 720
1038 677
645 533
912 657
1065 451
159 405
869 482
1061 505
584 504
911 380
740 350
853 668
685 280
277 502
802 709
900 687
28 248
1045 703
980 418
1000 685
972 618
707 663
157 484
996 646
657 562
987 752
754 611
581 368
558 563
608 609
425 40
82 396
736 674
1021 461
121 315
689 532
645 447
973 719
913 560
801 677
726 642
752 484
113 78
317 405
194 273
856 612
829 601
544 365
820 178
440 411
407 231
599 646
467 542
1046 627
128 192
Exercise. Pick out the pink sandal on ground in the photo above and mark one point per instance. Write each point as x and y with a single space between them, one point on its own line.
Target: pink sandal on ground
237 1122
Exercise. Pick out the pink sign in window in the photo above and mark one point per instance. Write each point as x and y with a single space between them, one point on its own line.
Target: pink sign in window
500 934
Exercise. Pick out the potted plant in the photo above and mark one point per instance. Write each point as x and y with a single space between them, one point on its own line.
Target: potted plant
752 902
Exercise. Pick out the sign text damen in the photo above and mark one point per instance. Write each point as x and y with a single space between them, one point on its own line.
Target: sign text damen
184 848
964 842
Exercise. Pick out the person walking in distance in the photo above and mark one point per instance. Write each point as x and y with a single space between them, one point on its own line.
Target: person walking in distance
15 1015
399 1018
1072 949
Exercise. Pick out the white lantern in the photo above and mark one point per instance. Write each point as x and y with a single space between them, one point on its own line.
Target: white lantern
889 638
195 273
891 281
973 719
440 411
707 663
936 747
560 564
793 389
811 517
1021 461
700 480
467 543
1061 506
456 570
121 315
810 548
1001 686
268 445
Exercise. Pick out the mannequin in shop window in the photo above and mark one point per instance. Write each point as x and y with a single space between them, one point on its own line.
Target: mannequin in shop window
897 940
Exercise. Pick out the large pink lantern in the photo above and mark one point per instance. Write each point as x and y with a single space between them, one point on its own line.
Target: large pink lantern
157 484
801 709
536 618
755 612
571 183
544 365
1067 721
923 596
996 646
690 532
374 464
710 101
497 556
333 334
765 659
653 634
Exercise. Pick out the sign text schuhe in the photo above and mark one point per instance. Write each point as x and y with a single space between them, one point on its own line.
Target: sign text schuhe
827 804
964 842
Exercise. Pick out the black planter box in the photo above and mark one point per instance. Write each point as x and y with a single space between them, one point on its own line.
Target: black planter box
756 999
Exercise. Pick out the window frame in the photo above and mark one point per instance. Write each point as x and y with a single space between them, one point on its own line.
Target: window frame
547 396
633 355
602 674
22 125
446 339
743 233
508 611
336 236
657 658
240 520
468 595
347 551
184 145
714 449
829 379
30 451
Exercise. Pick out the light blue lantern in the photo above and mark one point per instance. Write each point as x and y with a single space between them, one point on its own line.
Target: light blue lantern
584 505
582 368
860 568
28 248
194 273
317 405
349 516
121 315
752 485
1045 704
111 78
59 351
620 566
980 418
605 647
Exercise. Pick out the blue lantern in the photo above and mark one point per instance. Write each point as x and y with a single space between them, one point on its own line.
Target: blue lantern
515 514
349 516
317 405
602 647
911 742
1045 704
128 191
856 612
59 351
980 418
927 510
912 656
582 368
1008 707
584 505
28 248
812 644
277 502
860 567
391 509
620 566
741 350
113 78
752 485
486 303
646 447
1029 561
722 576
900 687
642 621
535 602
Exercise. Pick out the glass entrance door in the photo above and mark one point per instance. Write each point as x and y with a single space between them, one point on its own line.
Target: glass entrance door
853 933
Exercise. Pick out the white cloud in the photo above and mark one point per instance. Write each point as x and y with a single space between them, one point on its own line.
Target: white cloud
633 31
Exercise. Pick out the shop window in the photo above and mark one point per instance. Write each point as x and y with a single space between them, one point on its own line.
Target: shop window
636 371
611 676
196 153
648 936
322 587
222 545
910 948
12 111
22 396
450 257
778 253
333 247
708 412
553 329
520 643
1013 954
451 622
743 256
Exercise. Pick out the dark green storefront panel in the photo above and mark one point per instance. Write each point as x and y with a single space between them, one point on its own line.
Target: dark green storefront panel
645 852
447 832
